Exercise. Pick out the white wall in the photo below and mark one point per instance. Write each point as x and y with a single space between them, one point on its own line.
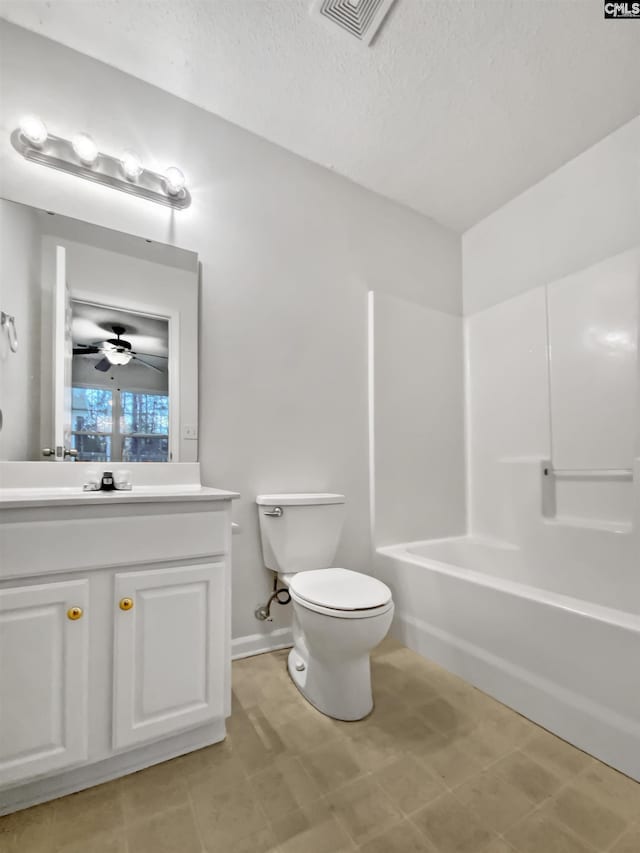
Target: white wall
551 301
20 297
586 211
288 251
418 422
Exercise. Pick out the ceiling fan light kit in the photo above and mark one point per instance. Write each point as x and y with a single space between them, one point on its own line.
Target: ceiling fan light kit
117 357
81 157
115 352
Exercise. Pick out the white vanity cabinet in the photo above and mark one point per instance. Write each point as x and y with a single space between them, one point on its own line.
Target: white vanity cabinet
114 634
168 647
44 678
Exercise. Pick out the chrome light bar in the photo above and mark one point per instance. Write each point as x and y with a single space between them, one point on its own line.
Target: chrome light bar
59 153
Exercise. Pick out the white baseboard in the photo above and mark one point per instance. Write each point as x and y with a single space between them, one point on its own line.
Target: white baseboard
257 644
597 730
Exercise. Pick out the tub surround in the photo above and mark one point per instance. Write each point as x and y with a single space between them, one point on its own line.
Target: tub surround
125 598
551 299
550 626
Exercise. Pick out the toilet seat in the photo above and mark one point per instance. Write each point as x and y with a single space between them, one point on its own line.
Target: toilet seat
340 593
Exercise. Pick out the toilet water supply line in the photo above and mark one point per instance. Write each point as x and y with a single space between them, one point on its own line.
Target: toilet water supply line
264 612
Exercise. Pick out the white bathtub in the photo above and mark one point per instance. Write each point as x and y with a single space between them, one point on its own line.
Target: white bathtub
481 609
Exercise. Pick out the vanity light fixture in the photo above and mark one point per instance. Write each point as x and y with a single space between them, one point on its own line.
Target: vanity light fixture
80 156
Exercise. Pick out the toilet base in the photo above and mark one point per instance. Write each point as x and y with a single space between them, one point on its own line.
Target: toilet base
341 691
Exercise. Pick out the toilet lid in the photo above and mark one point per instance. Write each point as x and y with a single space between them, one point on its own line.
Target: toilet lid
340 589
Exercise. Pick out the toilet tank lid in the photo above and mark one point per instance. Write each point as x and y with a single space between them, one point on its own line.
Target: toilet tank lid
300 499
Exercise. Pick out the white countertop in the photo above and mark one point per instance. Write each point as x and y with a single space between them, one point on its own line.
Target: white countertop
73 495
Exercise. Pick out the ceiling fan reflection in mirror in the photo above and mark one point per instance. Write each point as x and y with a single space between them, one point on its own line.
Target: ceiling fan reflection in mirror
116 352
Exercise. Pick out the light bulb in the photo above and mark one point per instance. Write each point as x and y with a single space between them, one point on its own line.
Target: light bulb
85 148
34 130
117 357
175 180
131 164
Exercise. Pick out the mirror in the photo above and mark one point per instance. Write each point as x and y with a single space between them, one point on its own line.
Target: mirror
98 343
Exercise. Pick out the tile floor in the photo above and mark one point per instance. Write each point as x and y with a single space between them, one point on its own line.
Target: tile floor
438 767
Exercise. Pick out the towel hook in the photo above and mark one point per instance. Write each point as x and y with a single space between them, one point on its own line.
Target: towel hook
8 323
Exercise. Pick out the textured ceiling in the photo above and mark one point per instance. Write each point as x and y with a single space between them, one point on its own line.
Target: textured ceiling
457 106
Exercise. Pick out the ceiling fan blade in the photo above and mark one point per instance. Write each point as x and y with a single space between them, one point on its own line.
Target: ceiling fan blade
85 349
103 365
148 364
148 354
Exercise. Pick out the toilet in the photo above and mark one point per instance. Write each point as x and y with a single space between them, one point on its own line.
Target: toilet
339 615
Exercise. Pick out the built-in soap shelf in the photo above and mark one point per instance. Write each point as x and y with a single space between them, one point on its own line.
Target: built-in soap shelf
588 498
591 524
624 474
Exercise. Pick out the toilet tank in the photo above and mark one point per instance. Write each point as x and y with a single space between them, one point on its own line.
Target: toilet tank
300 532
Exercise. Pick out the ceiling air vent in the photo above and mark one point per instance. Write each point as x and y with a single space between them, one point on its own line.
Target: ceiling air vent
359 18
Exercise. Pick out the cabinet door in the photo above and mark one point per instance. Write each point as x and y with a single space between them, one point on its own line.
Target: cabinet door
169 651
44 642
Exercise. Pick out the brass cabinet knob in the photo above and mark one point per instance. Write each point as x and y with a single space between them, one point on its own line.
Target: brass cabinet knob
126 603
74 613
